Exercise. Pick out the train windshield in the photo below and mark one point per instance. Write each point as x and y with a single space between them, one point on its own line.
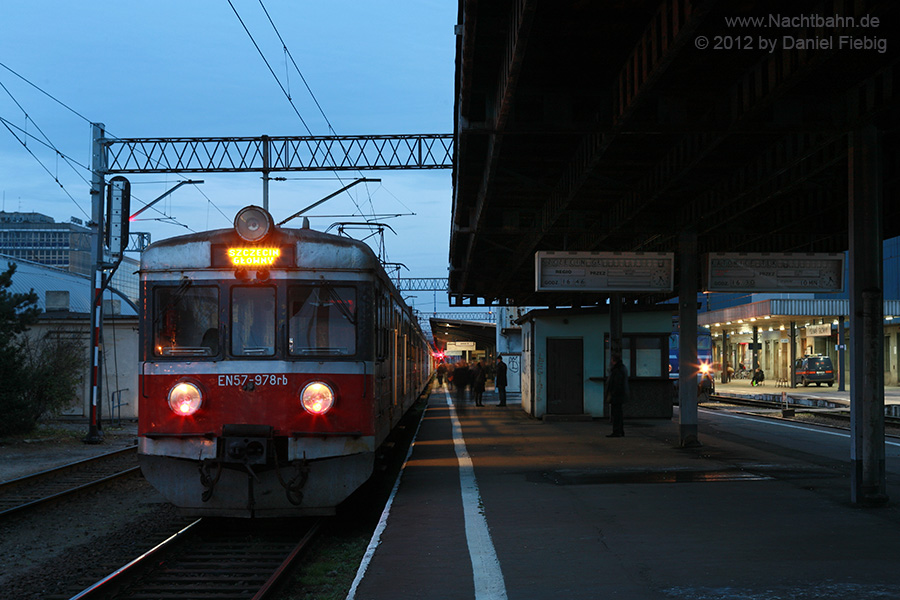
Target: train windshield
186 320
322 320
253 321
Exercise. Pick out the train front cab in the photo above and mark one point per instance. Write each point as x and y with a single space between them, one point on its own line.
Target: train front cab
217 417
201 343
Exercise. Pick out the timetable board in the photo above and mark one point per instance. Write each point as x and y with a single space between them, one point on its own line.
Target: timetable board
460 346
767 272
604 271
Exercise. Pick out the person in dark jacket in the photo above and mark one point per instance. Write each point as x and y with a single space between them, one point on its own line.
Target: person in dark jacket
758 377
460 381
617 394
500 380
478 379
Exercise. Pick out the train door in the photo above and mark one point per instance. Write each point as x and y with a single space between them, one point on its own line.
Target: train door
386 364
406 366
395 352
565 376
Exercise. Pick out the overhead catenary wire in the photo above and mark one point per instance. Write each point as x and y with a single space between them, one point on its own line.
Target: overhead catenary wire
46 137
287 53
55 99
7 124
48 143
287 95
70 160
269 66
10 125
67 158
274 75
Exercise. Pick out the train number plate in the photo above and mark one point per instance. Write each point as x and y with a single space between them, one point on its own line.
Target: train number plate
255 379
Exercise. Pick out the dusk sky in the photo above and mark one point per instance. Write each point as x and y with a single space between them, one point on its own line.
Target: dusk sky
176 69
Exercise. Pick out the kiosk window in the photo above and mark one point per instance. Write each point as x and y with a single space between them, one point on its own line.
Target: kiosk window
645 355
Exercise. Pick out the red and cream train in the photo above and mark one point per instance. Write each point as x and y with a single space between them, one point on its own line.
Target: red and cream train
274 362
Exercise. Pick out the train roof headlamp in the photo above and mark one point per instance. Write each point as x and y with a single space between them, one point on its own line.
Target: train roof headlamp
253 223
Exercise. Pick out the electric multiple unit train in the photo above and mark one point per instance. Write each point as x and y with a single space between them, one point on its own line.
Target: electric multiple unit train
274 362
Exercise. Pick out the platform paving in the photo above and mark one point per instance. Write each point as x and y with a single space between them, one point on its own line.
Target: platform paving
573 514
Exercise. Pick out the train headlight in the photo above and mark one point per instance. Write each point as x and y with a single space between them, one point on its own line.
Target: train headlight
253 223
185 399
317 398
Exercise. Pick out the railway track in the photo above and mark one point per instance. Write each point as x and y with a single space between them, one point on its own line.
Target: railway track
839 416
211 558
24 493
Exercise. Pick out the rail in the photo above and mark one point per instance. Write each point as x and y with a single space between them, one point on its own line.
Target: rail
41 488
205 558
791 407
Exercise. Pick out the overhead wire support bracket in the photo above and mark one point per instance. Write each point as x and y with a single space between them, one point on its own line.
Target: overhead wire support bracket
329 197
178 185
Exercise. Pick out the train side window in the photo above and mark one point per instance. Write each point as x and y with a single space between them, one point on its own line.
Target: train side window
322 320
185 320
253 321
379 326
384 326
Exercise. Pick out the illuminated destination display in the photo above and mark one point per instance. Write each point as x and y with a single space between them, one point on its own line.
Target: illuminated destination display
768 272
270 256
253 257
604 271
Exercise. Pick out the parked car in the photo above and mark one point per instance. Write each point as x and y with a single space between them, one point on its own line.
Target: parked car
814 369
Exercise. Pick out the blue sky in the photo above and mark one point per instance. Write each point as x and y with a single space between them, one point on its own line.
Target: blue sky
183 69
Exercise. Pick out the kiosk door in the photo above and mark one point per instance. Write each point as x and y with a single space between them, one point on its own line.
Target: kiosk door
565 376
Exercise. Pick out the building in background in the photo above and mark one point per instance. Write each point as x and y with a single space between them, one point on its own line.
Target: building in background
39 239
64 299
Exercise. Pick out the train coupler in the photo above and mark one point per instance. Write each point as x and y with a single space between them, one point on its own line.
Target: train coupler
207 478
293 487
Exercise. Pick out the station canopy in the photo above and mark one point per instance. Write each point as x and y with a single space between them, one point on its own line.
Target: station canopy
615 126
449 331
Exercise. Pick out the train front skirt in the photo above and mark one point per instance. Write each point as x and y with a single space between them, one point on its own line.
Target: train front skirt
212 483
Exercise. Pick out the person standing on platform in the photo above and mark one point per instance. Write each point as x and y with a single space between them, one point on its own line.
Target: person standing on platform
441 371
460 381
500 380
479 377
617 394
